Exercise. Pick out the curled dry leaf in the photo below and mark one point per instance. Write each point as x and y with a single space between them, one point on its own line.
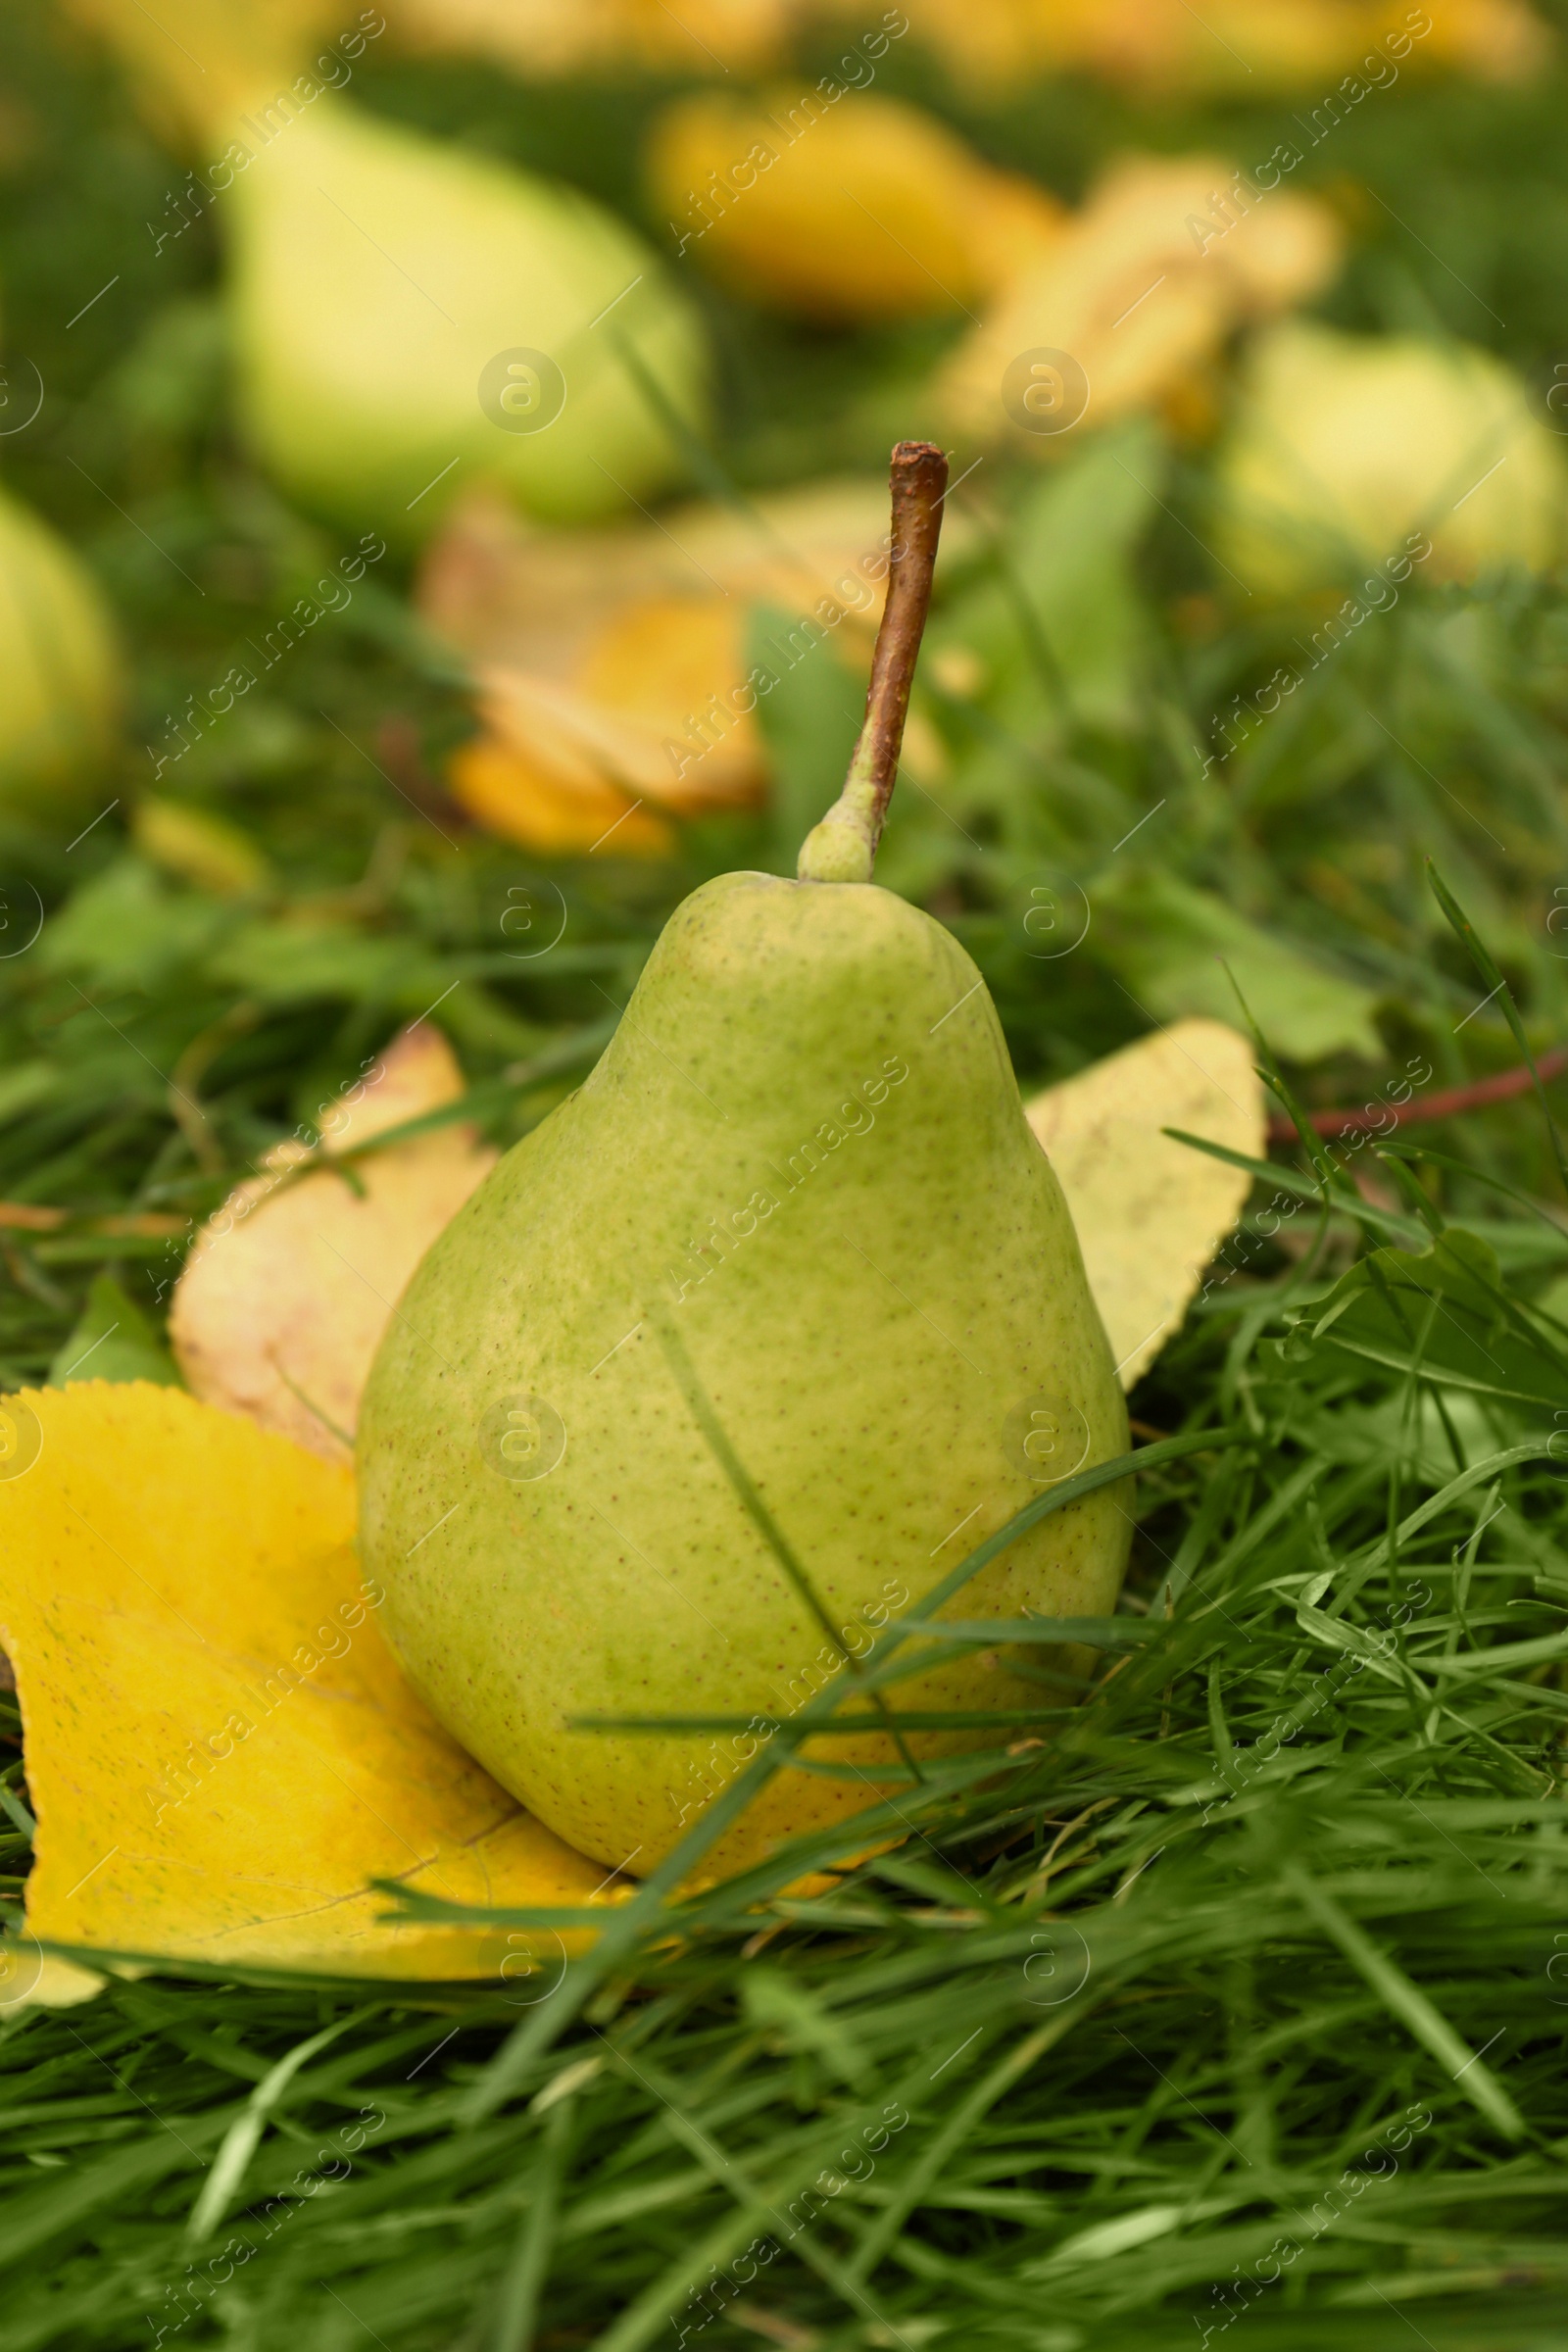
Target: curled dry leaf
1137 298
612 663
1151 1213
222 1750
286 1294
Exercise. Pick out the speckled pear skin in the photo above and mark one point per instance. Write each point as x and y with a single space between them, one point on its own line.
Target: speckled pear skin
805 1148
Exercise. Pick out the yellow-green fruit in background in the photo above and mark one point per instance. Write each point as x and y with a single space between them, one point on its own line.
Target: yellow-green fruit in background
60 677
804 1157
410 319
1346 447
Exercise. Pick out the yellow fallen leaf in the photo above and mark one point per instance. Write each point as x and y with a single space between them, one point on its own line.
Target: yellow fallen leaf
1151 1213
221 1752
540 40
1256 45
611 663
651 668
34 1979
288 1288
864 211
1015 224
511 795
1137 296
504 589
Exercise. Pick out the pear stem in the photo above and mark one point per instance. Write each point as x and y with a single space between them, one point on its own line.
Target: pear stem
843 847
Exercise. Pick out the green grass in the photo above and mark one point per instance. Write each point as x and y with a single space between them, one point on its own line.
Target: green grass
1238 2002
1151 1996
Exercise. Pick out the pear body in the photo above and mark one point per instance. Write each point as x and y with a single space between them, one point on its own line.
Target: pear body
59 674
805 1155
376 276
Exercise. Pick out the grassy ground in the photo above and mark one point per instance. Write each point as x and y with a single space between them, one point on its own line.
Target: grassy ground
1239 2002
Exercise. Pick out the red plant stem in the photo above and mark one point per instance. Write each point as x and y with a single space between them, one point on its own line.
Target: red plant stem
1501 1087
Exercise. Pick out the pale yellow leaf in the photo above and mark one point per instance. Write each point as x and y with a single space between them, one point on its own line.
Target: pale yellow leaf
1151 1213
34 1979
1135 296
611 663
289 1287
1256 46
541 39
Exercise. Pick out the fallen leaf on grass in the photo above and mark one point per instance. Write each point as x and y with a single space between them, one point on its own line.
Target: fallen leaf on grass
1166 46
1150 1213
616 679
883 211
36 1979
547 38
221 1752
282 1303
31 1979
1137 299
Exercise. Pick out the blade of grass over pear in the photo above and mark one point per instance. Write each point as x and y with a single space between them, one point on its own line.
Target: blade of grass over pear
757 1512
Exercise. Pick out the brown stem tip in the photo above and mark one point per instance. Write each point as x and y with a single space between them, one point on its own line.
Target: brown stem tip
843 847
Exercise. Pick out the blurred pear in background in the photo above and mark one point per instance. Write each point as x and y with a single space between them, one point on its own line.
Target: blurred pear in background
408 319
1254 46
1345 446
60 672
376 278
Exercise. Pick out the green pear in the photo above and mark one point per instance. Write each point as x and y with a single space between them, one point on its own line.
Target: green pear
60 673
408 320
1377 452
802 1174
